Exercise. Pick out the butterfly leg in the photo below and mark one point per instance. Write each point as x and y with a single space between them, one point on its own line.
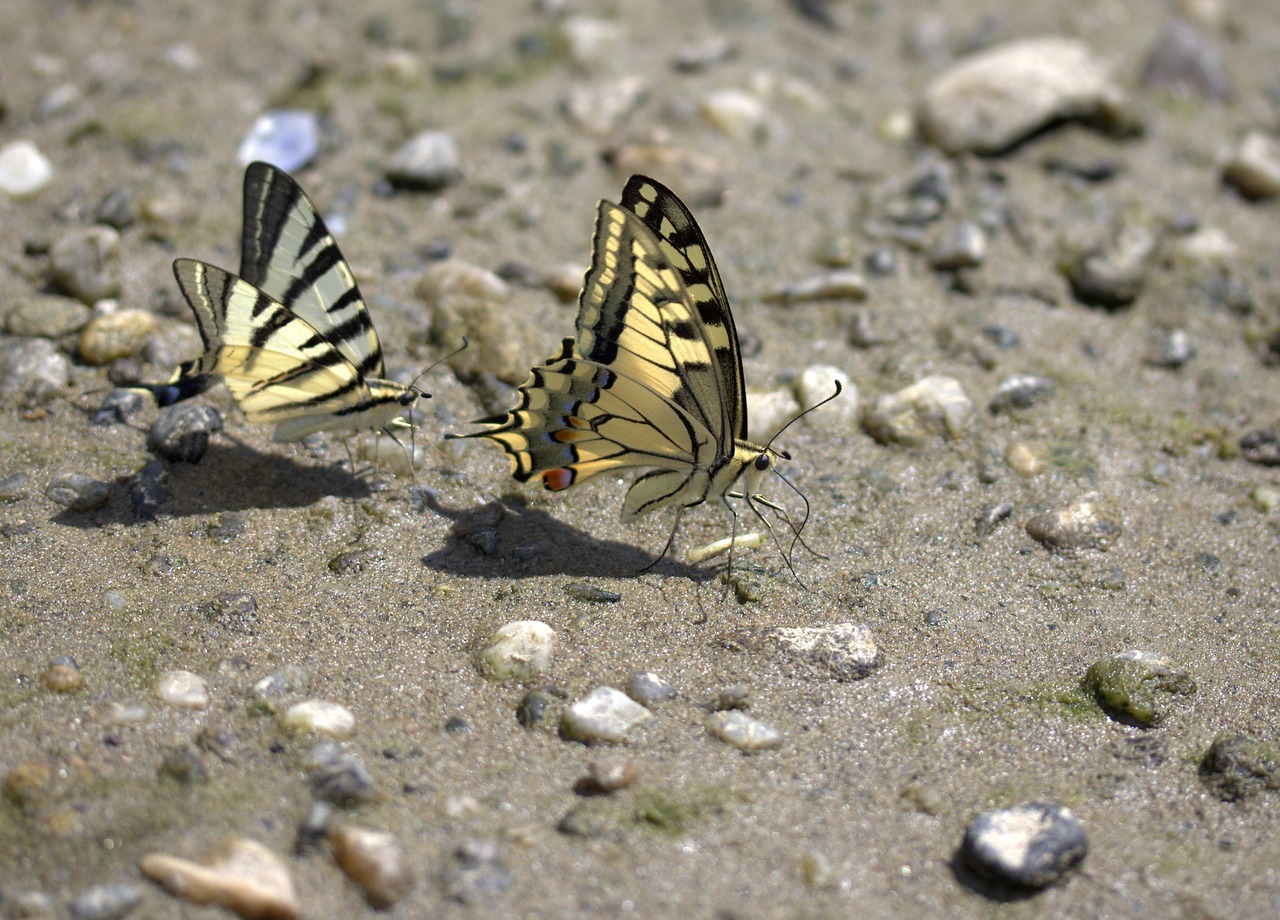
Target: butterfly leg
671 537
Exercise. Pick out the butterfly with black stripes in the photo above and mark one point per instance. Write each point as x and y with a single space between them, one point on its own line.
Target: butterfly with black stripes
290 335
652 378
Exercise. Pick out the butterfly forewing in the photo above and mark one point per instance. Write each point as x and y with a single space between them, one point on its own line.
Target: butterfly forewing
288 252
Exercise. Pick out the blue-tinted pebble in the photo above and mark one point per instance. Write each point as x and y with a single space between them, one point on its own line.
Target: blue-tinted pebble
286 138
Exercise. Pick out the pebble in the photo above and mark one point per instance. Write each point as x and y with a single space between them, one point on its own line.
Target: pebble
1027 846
1184 60
181 432
85 263
991 100
182 688
1112 276
106 902
589 820
533 707
320 717
591 42
743 732
843 284
1261 446
580 591
78 492
427 162
702 54
468 300
933 406
1265 498
1024 459
63 675
770 410
1084 524
33 371
340 778
1173 349
111 336
24 170
1210 246
375 861
120 714
697 178
314 829
600 108
564 281
735 696
606 775
243 877
961 245
271 692
14 487
31 905
1238 766
518 651
841 652
1254 166
46 316
736 113
648 688
1021 391
116 209
146 490
285 138
604 715
476 873
991 516
182 762
1137 685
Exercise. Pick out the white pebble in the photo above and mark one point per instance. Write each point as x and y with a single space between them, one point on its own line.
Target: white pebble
603 715
736 113
743 732
518 650
934 405
182 688
24 170
816 383
1254 167
320 717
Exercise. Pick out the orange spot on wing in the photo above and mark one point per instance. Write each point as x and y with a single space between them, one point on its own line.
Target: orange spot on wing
564 436
557 479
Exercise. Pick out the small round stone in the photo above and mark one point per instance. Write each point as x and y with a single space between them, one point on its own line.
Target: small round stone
1137 685
963 245
818 382
182 762
1021 391
320 717
518 651
1024 459
604 715
606 775
182 688
426 162
647 688
24 170
1028 846
736 113
1112 276
1173 349
243 877
286 138
270 693
46 315
147 492
1254 167
1239 766
118 406
1261 446
181 433
77 492
743 732
533 707
105 902
1084 524
934 405
1265 498
470 301
33 371
112 336
375 861
735 696
85 263
63 675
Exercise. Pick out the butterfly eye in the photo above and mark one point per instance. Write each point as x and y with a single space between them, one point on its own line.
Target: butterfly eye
762 462
408 397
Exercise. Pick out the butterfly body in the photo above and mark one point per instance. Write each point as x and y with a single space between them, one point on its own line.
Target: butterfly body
290 335
652 378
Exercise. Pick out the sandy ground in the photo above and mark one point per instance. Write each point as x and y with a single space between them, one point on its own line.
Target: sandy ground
984 642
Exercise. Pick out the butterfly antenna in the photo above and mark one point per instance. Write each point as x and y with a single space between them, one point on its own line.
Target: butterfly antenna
413 384
796 418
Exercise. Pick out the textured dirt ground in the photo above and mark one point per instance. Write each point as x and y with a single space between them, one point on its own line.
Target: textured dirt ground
984 642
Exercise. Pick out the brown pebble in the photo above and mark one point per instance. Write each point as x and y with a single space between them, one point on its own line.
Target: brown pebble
62 676
375 861
608 774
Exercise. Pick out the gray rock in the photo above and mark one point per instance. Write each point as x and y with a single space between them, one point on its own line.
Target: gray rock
995 98
932 406
46 315
1238 766
1084 524
77 492
991 516
1027 846
85 263
183 763
24 170
286 138
843 652
962 245
272 693
342 780
533 707
1173 349
1183 59
468 300
581 591
147 491
1021 391
117 406
33 371
1254 166
601 107
606 775
476 874
427 162
106 902
1261 446
181 433
648 688
743 732
1137 685
117 209
1113 276
14 487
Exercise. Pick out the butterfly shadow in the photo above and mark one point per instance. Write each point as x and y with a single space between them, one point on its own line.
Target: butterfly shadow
507 538
229 477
